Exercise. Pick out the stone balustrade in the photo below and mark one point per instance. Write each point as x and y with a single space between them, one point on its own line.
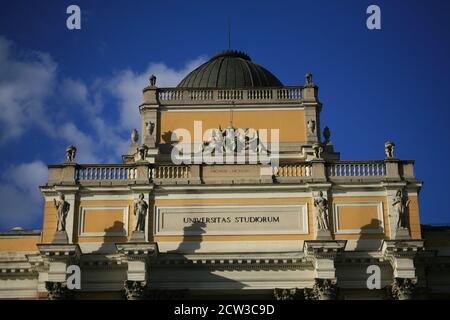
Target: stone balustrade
314 171
171 172
105 172
293 170
356 169
195 96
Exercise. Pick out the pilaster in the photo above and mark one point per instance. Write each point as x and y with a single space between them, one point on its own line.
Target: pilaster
57 257
322 255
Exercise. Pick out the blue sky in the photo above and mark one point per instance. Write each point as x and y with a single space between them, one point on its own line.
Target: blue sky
83 87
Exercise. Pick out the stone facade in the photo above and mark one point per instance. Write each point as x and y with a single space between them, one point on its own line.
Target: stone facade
307 226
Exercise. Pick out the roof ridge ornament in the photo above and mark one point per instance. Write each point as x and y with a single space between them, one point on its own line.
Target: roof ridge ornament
231 53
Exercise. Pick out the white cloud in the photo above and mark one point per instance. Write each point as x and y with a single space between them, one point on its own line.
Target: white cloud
87 149
20 198
26 81
127 87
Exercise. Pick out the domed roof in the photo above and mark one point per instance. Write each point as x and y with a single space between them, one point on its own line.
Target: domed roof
230 69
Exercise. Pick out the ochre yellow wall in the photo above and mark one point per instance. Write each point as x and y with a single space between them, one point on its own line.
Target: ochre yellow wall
309 236
49 225
353 217
359 222
19 243
291 123
99 220
414 218
106 219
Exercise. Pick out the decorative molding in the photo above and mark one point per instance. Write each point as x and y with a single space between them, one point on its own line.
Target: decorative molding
82 210
380 217
135 290
201 210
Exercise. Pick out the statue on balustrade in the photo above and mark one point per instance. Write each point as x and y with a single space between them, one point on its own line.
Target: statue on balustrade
321 205
62 209
142 151
318 150
399 205
70 153
152 80
140 210
134 136
326 135
308 80
389 149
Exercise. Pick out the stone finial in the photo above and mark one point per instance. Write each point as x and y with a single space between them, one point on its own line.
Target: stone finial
134 136
326 135
152 80
70 153
389 149
308 79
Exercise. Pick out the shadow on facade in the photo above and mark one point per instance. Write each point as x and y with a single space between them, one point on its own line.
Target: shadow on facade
111 237
368 234
189 274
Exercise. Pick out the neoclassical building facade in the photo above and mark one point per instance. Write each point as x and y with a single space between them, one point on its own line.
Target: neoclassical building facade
231 188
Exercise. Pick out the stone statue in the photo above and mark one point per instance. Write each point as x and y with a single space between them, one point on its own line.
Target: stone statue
142 151
311 126
252 140
326 134
134 136
152 80
70 153
399 205
140 209
62 209
321 205
389 149
216 143
318 150
308 80
150 127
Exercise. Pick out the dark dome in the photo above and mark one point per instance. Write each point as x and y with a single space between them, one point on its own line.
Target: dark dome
230 69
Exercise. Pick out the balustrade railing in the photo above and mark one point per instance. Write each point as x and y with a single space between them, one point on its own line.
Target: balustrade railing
105 172
171 172
167 95
356 169
125 172
293 170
